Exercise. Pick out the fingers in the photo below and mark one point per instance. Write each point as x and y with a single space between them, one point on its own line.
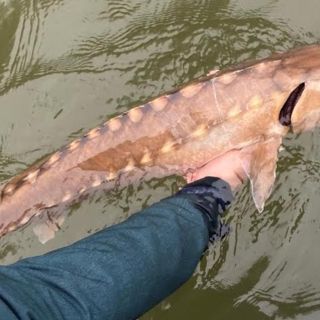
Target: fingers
228 167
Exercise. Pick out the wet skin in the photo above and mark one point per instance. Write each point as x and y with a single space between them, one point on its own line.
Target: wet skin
177 133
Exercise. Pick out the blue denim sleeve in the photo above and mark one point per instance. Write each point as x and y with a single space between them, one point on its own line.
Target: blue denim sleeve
117 273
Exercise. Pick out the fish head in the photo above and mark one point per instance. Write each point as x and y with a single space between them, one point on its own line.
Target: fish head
302 108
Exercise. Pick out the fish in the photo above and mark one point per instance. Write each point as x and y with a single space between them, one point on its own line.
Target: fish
250 107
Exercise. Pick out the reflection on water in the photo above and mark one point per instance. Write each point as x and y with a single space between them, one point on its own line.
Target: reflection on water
65 66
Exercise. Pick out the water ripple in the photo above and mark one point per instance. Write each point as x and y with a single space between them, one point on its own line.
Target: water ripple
65 66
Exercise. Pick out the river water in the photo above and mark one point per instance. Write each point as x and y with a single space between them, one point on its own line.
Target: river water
66 66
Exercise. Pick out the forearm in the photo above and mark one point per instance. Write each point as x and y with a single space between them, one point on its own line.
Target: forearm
118 273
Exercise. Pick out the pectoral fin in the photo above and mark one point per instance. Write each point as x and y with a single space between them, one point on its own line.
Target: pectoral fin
261 170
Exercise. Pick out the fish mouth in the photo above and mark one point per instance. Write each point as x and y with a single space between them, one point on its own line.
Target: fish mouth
288 107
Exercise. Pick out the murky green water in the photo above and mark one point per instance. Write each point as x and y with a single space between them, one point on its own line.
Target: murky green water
65 66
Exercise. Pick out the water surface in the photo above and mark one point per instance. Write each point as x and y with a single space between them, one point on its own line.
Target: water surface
66 66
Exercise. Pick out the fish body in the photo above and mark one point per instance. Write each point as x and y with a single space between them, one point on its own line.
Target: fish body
174 134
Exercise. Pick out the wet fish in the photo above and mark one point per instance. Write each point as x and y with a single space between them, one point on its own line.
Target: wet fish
250 107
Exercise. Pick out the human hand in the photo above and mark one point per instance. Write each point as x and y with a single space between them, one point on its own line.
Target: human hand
228 167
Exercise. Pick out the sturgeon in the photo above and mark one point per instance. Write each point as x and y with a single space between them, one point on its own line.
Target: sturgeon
248 107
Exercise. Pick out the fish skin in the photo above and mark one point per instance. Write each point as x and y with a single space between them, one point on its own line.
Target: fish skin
173 134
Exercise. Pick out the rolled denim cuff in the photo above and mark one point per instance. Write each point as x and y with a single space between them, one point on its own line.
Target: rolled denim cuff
211 196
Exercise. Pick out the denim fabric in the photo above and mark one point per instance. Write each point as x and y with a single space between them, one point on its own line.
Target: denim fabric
117 273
